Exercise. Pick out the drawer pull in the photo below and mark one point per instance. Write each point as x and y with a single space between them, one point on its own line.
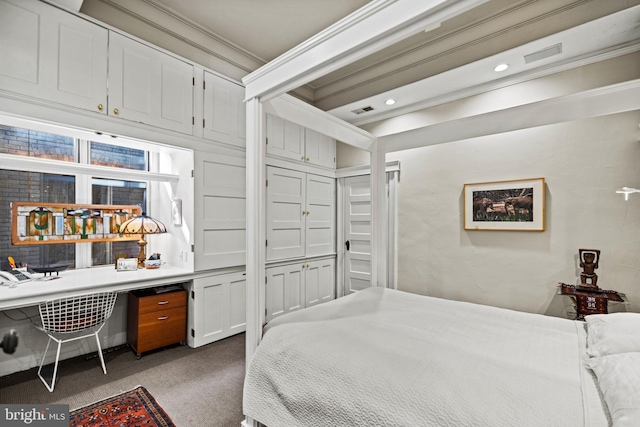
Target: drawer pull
163 302
163 318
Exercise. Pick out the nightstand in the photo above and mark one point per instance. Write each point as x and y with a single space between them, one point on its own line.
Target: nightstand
156 320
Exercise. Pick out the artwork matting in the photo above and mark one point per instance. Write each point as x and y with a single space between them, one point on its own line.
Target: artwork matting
516 205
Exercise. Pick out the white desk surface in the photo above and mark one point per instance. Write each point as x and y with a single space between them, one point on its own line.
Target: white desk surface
85 281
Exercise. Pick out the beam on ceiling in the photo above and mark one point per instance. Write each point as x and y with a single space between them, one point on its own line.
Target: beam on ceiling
375 26
602 101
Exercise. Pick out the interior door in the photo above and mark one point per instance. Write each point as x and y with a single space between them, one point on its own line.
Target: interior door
286 207
357 233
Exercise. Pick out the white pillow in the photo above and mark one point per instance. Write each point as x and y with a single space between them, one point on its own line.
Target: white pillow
619 380
612 333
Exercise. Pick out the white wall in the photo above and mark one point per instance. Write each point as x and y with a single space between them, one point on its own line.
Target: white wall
583 163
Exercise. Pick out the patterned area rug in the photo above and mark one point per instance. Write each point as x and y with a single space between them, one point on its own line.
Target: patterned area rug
133 408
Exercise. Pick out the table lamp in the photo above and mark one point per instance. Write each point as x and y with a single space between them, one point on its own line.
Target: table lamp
142 224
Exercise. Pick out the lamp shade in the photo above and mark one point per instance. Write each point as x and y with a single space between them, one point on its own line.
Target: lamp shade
142 224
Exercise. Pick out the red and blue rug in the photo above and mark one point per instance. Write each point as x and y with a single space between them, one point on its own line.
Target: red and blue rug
133 408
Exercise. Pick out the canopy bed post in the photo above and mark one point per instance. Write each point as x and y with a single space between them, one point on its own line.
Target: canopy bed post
379 247
256 233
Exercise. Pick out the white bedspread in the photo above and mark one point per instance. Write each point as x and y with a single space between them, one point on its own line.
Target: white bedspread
389 358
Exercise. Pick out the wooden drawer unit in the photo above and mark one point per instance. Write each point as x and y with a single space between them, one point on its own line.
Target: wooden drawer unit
156 320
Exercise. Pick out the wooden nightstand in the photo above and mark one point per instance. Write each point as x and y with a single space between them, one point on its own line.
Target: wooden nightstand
156 320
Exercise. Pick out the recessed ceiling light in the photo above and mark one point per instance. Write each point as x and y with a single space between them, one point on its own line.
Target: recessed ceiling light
501 67
390 101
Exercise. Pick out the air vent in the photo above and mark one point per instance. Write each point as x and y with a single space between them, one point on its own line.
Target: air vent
362 110
544 53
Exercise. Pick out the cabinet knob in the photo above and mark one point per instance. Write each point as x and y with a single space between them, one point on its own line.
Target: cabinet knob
163 318
100 107
302 158
307 265
116 111
308 212
307 159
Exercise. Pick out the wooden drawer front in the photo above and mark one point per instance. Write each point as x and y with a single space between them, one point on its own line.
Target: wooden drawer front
161 328
164 301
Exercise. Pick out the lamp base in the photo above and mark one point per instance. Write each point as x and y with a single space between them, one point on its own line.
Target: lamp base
141 255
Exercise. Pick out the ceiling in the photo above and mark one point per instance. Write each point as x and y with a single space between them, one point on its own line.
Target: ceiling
437 65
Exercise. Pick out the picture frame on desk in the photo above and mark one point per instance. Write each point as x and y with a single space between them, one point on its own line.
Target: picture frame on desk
127 264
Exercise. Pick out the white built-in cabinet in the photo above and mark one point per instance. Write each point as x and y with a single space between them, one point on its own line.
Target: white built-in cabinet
224 111
220 211
216 308
294 142
59 57
299 285
300 214
149 86
49 54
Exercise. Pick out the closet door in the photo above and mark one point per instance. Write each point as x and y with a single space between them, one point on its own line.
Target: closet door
320 215
319 281
53 55
357 233
286 193
284 138
149 86
320 149
224 111
284 290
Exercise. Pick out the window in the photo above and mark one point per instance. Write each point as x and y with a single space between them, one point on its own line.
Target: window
36 187
116 192
117 157
31 143
29 183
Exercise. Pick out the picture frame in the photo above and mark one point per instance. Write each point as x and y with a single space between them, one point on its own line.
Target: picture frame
515 205
127 264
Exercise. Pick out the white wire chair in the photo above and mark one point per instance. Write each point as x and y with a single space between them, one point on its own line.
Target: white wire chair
70 319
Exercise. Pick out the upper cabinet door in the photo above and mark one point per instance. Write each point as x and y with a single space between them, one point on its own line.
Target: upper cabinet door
320 149
149 86
285 139
224 111
52 55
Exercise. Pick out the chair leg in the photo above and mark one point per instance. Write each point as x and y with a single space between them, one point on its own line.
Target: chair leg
51 386
104 368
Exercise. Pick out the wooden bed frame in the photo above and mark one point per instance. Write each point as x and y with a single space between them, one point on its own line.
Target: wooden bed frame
377 25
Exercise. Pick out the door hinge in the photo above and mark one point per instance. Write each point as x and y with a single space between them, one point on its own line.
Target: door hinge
193 333
193 81
193 294
204 85
266 243
203 123
267 183
267 139
192 248
334 160
191 173
193 120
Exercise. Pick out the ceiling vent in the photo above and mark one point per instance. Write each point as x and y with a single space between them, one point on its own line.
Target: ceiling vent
544 53
362 110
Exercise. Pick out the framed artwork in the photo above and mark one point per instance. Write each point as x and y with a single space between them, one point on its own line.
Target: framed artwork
36 223
505 205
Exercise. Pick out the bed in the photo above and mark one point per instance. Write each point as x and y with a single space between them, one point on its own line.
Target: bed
382 357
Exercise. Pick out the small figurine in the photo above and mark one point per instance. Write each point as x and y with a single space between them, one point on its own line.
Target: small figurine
589 259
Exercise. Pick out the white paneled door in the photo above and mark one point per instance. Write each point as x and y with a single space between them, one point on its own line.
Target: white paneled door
357 233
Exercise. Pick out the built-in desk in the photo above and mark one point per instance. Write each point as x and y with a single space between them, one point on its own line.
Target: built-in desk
88 280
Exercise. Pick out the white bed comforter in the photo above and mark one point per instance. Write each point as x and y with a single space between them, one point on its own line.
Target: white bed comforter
389 358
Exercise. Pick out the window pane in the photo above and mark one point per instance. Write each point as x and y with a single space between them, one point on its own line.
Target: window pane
34 187
118 157
25 142
116 192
